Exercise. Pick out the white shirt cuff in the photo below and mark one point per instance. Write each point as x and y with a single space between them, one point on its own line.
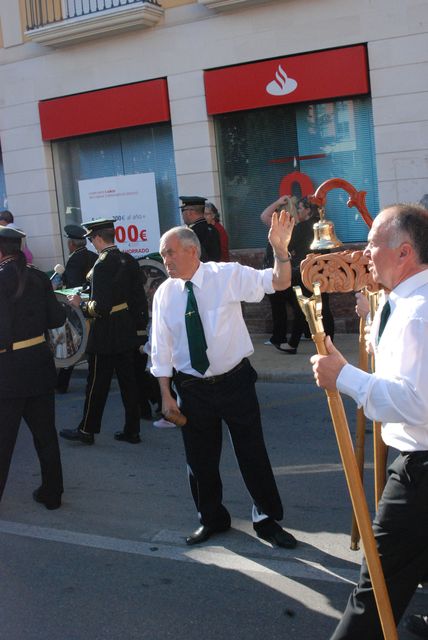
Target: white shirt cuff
267 281
161 371
353 382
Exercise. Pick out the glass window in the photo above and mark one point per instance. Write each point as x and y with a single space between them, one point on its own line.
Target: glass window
257 149
140 150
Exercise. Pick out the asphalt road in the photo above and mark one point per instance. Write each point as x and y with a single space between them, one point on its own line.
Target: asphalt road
112 562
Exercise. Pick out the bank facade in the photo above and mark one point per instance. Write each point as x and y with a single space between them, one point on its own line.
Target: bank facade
236 100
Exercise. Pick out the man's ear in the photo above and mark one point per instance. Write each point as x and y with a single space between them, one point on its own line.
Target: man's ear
405 250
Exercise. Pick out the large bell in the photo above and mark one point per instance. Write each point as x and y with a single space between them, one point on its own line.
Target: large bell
324 234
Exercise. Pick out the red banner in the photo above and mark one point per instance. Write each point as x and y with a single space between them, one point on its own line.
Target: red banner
129 105
310 76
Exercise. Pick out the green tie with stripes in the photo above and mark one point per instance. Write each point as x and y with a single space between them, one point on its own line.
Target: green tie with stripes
195 333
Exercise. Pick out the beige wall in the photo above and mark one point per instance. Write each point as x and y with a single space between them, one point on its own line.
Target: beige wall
189 39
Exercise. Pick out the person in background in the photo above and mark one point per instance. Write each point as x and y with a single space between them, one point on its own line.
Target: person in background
303 235
80 260
212 216
76 272
29 309
7 220
117 308
192 212
199 339
279 299
396 395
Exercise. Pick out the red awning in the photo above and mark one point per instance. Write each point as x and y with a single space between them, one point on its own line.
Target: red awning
302 78
104 110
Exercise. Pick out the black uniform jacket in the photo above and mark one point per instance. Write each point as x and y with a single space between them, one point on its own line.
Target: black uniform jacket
30 371
77 268
209 239
299 247
116 280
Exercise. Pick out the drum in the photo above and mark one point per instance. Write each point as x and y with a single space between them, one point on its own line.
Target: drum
154 273
68 343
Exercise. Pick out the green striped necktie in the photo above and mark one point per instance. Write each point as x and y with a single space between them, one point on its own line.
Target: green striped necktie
195 333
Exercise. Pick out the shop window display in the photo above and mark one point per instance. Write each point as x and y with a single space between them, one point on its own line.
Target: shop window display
308 142
146 149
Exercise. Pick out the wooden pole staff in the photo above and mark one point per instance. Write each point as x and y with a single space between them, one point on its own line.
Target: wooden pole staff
380 450
312 308
360 433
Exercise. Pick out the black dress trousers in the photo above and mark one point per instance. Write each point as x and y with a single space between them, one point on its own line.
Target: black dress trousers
101 367
400 528
39 414
231 398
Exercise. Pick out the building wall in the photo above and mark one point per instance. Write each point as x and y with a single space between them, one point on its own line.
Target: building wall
188 39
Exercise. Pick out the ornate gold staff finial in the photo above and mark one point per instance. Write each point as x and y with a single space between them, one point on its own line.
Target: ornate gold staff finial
312 308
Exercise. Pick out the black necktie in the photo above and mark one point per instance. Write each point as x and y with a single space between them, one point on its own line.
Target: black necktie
384 315
195 333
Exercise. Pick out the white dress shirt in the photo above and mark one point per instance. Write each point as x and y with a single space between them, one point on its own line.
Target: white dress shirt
219 289
397 393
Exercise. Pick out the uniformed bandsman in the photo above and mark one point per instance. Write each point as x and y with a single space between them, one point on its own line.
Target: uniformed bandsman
80 260
77 268
27 370
192 212
117 309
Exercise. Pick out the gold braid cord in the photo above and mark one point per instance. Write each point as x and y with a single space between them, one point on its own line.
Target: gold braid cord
338 272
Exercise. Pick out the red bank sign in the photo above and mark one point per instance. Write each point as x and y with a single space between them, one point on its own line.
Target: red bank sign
310 76
128 105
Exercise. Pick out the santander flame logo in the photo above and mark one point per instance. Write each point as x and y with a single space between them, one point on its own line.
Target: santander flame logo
282 85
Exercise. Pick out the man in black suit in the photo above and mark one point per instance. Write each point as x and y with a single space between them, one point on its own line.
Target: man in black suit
192 212
80 260
78 265
117 308
303 235
27 370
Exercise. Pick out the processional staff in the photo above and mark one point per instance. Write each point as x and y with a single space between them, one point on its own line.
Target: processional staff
312 308
344 271
380 450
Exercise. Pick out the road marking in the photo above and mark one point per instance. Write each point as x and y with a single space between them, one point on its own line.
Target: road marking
166 545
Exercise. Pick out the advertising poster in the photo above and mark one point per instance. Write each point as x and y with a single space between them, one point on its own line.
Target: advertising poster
131 201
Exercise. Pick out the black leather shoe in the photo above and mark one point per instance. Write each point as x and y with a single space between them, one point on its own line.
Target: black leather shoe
202 534
77 436
417 624
50 503
132 438
272 532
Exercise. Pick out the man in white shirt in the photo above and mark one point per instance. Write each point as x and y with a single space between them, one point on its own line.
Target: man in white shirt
222 387
397 396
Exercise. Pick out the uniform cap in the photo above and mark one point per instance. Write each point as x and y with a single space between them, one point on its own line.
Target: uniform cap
9 233
74 232
92 226
192 200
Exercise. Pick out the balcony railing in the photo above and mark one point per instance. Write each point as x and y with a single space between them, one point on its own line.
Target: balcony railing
59 21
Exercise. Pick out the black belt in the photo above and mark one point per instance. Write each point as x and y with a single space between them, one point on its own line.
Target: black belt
212 379
422 453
